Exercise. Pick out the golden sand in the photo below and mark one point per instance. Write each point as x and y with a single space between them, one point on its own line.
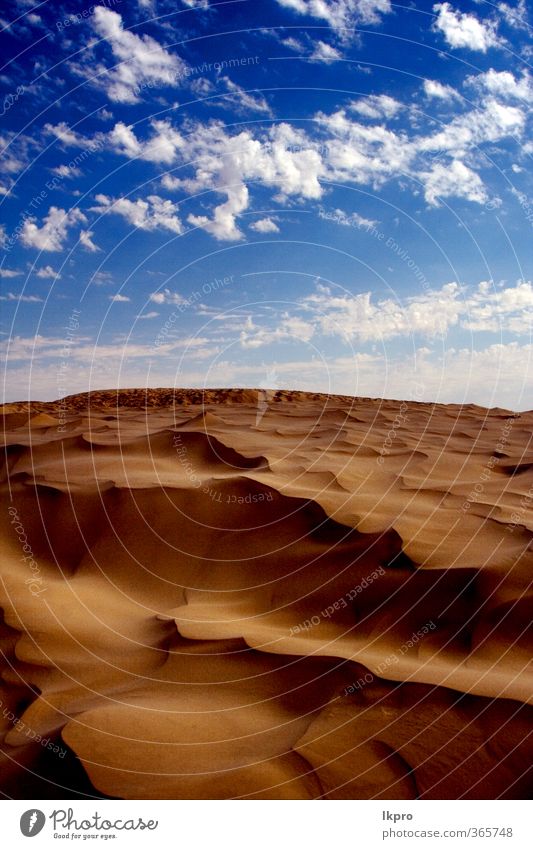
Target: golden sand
239 593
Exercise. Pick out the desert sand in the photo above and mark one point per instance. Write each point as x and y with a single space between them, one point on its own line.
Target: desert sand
265 595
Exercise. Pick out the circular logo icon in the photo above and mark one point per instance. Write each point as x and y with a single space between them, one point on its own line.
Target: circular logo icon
32 822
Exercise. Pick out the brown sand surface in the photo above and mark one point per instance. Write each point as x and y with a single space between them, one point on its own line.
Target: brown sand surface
259 594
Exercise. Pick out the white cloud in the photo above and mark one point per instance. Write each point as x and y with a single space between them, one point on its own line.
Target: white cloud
364 319
491 122
241 100
202 87
102 278
69 137
359 153
515 16
435 89
54 230
154 213
341 15
358 317
453 179
147 315
171 183
16 151
461 29
344 149
485 308
500 374
285 160
347 219
293 44
493 310
141 59
119 299
504 85
88 354
48 272
325 53
376 106
288 329
265 225
86 241
67 172
9 272
20 298
223 223
162 146
167 297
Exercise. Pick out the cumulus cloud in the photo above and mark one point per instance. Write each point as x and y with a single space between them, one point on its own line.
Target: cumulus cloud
141 60
223 224
376 106
288 329
359 317
87 242
48 272
493 309
363 318
462 29
167 297
483 308
491 122
67 172
53 232
154 213
162 145
341 15
361 144
358 153
9 272
119 299
454 179
504 85
265 225
433 89
285 160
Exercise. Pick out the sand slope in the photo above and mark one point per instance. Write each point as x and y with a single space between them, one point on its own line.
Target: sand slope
241 593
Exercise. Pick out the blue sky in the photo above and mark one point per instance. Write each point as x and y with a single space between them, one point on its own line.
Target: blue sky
329 195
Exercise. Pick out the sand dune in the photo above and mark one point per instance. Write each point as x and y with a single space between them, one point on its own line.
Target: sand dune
234 593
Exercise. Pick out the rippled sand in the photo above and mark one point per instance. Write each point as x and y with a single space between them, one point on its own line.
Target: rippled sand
265 595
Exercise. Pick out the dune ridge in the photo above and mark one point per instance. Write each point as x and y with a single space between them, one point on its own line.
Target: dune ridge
244 593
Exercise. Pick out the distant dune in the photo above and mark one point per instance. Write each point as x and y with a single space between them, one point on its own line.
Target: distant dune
248 593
